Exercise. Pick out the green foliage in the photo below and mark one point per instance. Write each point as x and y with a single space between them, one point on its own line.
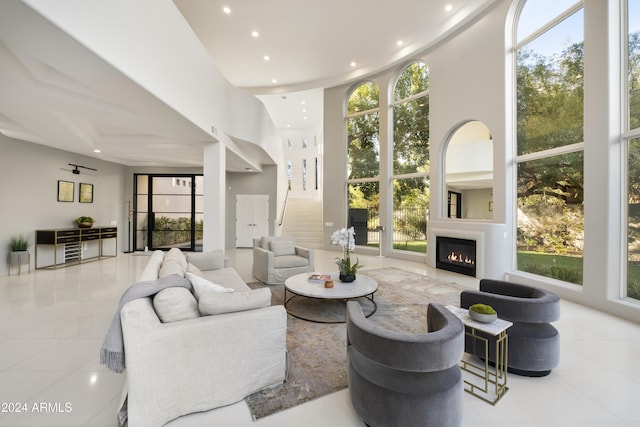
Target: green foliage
84 219
346 267
565 268
482 308
634 80
411 121
364 98
550 98
19 243
172 231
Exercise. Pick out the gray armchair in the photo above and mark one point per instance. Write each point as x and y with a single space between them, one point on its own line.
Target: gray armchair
403 379
534 344
275 259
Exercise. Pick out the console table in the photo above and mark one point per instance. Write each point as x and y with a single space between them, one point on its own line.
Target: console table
69 243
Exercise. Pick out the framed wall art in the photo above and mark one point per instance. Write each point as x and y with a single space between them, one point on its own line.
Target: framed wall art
65 191
86 193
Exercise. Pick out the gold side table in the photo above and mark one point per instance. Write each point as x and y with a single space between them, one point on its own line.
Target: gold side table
19 259
486 382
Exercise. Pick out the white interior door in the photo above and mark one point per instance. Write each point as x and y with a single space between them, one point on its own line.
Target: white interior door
252 218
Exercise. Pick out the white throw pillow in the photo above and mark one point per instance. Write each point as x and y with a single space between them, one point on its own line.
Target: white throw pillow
219 303
175 304
202 286
213 260
176 255
170 267
282 247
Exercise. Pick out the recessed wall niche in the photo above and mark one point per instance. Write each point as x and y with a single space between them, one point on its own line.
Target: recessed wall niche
469 172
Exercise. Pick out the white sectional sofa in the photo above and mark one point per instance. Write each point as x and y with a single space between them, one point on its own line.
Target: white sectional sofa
205 352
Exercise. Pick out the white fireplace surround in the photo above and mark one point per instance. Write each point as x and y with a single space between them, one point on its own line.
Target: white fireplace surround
493 256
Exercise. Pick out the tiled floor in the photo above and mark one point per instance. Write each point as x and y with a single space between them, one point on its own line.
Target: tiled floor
52 324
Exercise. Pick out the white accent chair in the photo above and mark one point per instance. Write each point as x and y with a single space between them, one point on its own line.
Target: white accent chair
276 258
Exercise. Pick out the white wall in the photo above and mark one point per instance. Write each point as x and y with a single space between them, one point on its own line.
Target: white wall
294 151
29 175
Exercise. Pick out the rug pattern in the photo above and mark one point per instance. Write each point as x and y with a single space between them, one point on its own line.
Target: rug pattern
317 351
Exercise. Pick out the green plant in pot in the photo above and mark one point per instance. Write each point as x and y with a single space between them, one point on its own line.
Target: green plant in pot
84 221
19 246
482 313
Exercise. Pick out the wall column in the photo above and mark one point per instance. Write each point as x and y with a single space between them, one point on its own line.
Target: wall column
214 171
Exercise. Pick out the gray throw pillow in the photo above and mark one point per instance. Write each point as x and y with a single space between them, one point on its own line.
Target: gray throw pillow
282 247
175 304
219 302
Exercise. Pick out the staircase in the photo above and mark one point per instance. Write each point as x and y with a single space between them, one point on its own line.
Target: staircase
303 220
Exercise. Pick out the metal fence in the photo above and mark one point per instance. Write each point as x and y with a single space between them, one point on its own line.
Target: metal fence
408 224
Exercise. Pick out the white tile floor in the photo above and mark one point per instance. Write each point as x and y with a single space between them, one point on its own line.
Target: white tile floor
52 324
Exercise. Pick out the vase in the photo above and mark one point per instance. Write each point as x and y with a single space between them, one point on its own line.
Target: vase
347 277
482 317
85 224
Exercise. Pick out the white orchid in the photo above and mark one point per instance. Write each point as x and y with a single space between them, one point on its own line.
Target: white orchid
346 239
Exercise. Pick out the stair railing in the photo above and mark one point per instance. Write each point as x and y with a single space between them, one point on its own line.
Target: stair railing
284 206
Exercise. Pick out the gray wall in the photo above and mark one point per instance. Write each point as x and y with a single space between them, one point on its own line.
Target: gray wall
264 182
29 175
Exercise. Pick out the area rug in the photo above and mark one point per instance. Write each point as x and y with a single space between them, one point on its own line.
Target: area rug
318 351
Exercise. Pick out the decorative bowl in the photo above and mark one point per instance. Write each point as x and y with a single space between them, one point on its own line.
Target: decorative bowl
482 317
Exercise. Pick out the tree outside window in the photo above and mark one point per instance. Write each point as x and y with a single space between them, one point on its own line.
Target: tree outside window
550 134
411 158
632 288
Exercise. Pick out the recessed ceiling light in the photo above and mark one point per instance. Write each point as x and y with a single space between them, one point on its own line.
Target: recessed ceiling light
353 64
304 118
288 125
303 102
399 42
255 34
304 110
96 150
267 57
226 10
448 8
274 81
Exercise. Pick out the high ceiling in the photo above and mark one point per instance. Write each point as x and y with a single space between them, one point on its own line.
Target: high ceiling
318 44
58 93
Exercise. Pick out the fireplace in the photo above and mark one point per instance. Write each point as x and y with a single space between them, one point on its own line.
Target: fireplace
457 255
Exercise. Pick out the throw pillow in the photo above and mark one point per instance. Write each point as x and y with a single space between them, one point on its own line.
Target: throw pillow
213 260
170 267
219 303
202 286
175 304
282 247
177 255
193 269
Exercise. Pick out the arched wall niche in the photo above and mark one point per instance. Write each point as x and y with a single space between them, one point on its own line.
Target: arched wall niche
468 172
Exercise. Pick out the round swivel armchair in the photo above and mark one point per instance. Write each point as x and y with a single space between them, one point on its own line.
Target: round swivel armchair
534 344
402 379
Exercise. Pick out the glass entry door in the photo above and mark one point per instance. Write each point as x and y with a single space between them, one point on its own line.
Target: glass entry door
169 212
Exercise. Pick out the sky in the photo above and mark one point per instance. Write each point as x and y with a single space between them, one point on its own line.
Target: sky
537 13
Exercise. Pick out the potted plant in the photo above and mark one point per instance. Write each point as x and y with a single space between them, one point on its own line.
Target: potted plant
345 238
482 313
18 246
84 221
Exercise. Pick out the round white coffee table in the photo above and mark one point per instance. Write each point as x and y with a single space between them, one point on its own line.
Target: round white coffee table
300 286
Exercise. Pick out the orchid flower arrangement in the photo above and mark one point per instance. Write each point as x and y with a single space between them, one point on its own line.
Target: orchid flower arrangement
345 238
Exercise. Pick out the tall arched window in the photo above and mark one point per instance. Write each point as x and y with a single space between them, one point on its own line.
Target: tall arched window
410 180
550 147
632 149
363 161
